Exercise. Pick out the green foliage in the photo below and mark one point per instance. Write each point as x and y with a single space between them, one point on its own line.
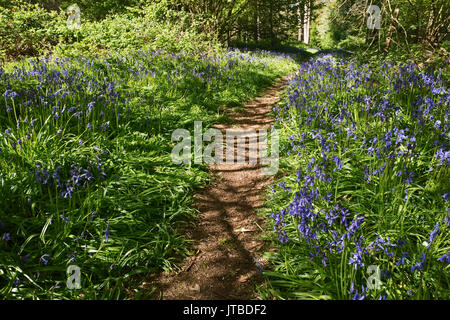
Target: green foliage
321 31
403 24
29 30
351 43
128 32
92 10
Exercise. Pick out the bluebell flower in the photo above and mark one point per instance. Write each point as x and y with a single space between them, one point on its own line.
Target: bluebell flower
6 93
402 259
366 174
433 234
406 195
72 257
437 124
45 261
80 237
338 163
419 265
64 218
445 257
445 197
258 265
401 136
106 236
443 156
67 192
13 94
91 106
356 294
447 219
385 274
408 181
356 259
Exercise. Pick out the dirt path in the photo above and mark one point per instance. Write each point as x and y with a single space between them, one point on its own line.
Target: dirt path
224 267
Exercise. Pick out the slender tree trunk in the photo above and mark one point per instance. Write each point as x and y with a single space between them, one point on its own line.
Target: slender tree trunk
307 22
300 23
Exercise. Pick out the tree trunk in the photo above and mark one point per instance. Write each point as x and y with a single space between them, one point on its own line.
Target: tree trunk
307 22
300 23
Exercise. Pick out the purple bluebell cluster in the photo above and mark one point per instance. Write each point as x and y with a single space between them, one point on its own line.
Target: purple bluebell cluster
67 183
385 130
358 295
94 94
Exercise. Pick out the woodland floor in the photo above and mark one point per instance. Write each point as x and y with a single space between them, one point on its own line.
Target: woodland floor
227 238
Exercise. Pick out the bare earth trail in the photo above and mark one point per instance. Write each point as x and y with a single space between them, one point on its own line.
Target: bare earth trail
227 236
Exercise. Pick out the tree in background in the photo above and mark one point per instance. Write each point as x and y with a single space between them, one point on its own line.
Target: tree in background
275 21
405 24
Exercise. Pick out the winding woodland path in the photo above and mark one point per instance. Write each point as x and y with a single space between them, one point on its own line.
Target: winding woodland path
224 266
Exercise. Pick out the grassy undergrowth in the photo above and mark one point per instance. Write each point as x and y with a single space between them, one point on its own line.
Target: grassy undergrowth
86 176
29 30
362 211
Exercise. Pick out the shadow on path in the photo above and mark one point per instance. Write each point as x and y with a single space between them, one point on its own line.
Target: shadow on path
224 266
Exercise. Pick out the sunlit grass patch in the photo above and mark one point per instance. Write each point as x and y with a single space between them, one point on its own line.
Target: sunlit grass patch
86 172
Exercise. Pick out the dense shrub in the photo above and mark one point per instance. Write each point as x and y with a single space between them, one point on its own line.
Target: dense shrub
29 30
